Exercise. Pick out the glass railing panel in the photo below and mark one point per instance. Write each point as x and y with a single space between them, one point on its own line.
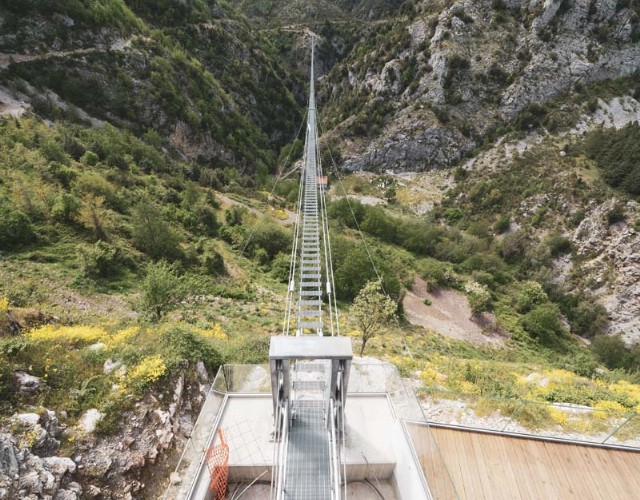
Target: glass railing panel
434 467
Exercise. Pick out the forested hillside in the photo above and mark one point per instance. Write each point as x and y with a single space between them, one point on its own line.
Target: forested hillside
482 159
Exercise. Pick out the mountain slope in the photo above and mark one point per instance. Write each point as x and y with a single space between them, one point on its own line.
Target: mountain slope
430 88
209 85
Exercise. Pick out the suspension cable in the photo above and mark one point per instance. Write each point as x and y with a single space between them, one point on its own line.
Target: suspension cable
273 189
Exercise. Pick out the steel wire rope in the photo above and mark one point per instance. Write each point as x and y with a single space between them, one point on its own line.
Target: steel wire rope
253 230
325 219
333 306
294 251
327 246
364 241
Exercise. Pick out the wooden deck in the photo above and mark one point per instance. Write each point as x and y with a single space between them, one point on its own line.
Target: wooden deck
475 465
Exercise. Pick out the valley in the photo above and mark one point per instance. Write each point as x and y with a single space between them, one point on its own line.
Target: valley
482 159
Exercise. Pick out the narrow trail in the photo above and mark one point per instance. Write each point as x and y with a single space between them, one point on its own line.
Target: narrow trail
291 217
7 59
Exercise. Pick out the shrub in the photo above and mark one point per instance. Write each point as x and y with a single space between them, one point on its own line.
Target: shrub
213 262
435 273
280 267
15 229
544 323
149 370
90 159
616 214
559 244
206 218
531 294
98 260
95 184
162 290
269 237
588 318
77 334
65 207
611 351
153 235
234 215
184 345
479 298
617 154
502 224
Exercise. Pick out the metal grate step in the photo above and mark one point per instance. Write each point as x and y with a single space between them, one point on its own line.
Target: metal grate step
309 302
310 367
309 385
309 313
315 325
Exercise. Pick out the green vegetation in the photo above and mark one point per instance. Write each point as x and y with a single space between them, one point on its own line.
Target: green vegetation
371 311
617 153
118 228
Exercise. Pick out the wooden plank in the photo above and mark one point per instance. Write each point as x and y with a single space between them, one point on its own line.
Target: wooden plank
504 486
488 467
549 482
504 447
622 474
526 468
446 441
432 462
568 461
485 476
468 461
593 478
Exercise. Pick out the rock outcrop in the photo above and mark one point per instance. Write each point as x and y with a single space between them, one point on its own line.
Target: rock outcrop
455 66
100 467
612 263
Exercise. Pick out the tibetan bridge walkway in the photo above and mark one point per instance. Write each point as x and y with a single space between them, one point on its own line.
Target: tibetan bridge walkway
309 362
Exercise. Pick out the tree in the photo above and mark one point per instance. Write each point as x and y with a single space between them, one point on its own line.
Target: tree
372 310
531 294
162 290
15 228
152 234
612 351
544 323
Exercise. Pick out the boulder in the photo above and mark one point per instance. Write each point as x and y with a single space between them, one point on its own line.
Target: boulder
89 420
27 384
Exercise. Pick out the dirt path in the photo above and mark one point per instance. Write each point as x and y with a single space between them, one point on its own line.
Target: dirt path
7 59
449 315
290 220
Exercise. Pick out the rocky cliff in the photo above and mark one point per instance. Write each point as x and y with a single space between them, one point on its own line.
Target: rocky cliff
456 73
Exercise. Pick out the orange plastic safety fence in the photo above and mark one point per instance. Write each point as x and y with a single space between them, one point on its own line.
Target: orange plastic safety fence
218 463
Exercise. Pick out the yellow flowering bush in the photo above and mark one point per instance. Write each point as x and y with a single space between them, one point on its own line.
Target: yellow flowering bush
215 332
68 334
558 416
122 337
147 371
430 376
4 304
609 409
627 390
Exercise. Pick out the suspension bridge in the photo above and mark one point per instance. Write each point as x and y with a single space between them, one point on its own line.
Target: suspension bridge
284 431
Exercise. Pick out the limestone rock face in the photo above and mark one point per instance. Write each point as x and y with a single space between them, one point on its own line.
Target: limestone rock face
101 467
613 263
470 68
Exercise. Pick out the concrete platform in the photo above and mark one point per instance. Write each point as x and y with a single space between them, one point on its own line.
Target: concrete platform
377 450
247 424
